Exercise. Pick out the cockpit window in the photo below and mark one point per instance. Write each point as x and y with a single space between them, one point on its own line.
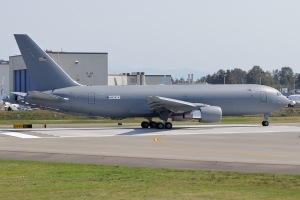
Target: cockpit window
279 94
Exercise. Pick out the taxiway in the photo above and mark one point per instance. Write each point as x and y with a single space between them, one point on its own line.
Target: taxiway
241 148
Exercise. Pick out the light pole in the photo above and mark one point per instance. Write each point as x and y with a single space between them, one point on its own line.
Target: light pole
260 80
295 78
224 78
260 74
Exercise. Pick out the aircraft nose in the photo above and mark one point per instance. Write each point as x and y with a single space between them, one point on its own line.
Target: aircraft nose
284 101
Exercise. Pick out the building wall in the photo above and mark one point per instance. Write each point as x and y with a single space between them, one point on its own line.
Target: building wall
4 78
16 63
158 79
138 78
85 68
119 78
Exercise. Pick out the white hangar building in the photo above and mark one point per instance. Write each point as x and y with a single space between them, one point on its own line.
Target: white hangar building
4 78
138 78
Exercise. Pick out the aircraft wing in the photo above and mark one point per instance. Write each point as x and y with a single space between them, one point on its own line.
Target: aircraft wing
159 104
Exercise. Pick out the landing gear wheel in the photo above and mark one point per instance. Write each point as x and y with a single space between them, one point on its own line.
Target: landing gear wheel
265 123
145 124
160 125
152 124
168 125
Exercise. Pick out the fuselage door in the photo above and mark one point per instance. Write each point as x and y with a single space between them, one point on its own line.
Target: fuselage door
91 98
263 96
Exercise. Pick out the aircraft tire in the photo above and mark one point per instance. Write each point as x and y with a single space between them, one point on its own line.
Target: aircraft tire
160 125
145 124
152 124
265 123
168 125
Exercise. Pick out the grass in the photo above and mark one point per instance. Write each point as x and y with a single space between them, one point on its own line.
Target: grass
41 180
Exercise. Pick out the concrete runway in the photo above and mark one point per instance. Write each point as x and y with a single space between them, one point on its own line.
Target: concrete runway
239 148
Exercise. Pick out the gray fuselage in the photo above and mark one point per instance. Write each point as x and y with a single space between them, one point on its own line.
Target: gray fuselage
130 101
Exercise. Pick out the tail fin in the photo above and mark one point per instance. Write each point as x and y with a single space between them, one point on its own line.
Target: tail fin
45 73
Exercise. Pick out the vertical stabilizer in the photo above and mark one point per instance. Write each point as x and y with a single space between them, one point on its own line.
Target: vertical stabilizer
44 72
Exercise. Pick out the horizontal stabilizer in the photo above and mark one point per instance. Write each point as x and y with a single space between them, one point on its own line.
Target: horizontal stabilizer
46 96
22 94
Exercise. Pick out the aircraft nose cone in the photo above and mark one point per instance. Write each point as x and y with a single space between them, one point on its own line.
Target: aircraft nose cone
284 101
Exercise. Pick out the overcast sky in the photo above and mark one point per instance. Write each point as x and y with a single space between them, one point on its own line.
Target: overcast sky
174 37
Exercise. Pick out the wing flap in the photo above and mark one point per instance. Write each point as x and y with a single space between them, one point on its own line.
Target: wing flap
159 104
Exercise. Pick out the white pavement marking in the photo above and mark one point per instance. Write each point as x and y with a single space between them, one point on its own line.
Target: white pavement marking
18 135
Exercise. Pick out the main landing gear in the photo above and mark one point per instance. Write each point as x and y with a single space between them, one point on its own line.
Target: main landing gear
158 125
266 118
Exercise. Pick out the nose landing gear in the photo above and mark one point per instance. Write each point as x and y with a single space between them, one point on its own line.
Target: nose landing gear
265 123
266 118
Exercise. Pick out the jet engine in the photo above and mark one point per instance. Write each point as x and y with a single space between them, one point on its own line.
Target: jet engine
204 114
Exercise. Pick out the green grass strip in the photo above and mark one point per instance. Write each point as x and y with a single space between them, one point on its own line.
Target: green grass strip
42 180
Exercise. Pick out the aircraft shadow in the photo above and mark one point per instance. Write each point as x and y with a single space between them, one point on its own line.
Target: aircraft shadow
141 131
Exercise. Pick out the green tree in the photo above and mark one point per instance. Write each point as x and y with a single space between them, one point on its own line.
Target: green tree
286 76
268 79
216 78
236 76
297 81
255 75
180 81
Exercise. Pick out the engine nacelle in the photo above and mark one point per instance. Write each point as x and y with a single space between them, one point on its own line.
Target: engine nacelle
205 114
211 114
